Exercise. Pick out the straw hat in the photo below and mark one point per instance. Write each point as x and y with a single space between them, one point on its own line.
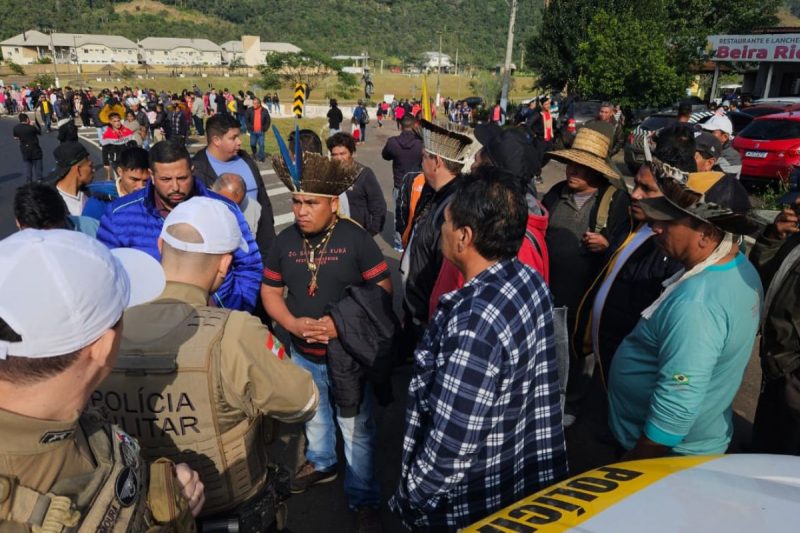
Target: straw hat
590 149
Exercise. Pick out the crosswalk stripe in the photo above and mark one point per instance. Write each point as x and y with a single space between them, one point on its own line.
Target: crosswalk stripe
286 218
267 172
277 191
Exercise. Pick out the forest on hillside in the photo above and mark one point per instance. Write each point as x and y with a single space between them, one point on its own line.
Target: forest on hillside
397 31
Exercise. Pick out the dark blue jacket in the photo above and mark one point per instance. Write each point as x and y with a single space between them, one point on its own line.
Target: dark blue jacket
101 194
133 221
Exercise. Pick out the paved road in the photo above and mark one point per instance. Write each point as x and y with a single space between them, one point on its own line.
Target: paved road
324 508
11 167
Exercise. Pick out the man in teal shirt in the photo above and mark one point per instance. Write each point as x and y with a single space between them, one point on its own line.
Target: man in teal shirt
673 379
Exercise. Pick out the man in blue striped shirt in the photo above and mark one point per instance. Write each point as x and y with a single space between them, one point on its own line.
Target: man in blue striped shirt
483 422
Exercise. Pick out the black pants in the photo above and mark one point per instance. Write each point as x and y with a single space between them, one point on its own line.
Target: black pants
776 428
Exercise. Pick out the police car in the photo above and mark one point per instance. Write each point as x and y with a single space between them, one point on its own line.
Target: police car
702 493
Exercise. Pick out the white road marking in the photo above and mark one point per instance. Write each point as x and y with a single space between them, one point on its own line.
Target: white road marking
286 218
267 172
91 140
277 191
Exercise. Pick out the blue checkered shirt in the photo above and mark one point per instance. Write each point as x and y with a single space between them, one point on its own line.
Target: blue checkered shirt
483 422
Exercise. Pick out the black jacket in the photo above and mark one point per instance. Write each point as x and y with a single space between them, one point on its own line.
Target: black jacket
426 253
405 153
335 118
366 326
265 235
367 205
637 285
265 120
780 333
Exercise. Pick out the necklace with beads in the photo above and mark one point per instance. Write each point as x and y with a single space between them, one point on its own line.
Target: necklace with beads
314 257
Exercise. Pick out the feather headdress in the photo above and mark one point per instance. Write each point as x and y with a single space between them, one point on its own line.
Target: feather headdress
311 173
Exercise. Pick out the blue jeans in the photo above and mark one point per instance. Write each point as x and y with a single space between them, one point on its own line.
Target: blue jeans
32 170
257 144
198 125
359 434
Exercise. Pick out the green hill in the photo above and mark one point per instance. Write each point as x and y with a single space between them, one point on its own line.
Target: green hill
397 30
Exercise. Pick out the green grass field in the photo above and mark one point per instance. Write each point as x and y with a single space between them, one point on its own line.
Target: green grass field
401 85
286 126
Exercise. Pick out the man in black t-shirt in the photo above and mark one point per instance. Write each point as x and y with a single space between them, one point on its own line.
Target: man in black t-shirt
28 137
315 260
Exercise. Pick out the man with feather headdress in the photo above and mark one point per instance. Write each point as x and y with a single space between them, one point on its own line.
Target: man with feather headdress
315 260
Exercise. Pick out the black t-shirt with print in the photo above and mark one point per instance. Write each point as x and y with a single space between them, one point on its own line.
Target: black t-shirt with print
351 257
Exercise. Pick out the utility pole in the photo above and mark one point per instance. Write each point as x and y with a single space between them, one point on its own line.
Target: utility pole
457 47
509 50
55 69
439 71
522 57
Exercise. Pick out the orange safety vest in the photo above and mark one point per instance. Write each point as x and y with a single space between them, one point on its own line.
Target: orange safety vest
416 192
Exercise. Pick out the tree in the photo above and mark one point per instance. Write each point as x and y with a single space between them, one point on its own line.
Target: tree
127 73
44 80
16 69
554 49
626 59
488 86
306 67
236 63
346 84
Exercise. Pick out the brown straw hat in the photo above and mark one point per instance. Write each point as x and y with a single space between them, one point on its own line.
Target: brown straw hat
590 149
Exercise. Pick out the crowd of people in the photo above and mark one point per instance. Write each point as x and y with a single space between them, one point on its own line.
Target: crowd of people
145 396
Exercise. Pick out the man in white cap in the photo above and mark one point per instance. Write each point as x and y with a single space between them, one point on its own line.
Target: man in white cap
197 383
730 162
61 469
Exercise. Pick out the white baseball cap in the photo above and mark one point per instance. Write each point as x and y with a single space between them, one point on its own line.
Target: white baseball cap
61 290
718 122
213 220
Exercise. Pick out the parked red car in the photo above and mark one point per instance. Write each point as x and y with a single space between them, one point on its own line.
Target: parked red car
770 146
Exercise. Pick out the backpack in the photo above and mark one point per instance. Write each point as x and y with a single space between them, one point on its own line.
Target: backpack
364 116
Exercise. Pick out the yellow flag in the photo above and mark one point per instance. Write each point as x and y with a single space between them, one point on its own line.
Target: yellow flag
426 102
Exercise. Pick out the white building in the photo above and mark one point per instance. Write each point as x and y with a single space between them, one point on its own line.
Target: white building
30 46
432 61
183 52
252 51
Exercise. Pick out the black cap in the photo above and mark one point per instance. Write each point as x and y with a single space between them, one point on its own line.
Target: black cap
68 154
544 98
508 149
707 145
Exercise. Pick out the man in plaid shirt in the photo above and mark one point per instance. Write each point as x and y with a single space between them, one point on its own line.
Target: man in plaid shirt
483 423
